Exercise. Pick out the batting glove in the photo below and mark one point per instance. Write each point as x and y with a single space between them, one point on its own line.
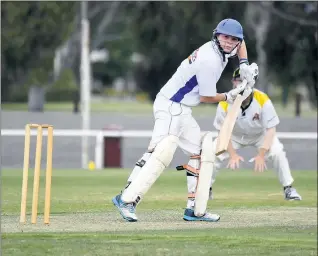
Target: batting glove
231 95
247 92
249 73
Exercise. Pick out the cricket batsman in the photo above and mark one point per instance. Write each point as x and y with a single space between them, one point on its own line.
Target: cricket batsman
193 82
256 127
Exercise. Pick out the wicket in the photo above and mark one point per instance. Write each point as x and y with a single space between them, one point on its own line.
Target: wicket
37 167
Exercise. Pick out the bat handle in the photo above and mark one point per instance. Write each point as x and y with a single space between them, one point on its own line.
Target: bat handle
245 83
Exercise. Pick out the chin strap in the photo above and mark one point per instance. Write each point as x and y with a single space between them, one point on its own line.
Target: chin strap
217 42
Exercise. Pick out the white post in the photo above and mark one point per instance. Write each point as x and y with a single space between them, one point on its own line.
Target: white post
85 82
99 151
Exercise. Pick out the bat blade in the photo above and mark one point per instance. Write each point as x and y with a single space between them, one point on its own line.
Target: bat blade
228 125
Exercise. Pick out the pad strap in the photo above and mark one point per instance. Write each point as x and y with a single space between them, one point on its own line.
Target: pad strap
189 169
191 196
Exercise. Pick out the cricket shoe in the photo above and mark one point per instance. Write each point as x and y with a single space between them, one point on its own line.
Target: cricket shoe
137 200
209 217
291 194
127 210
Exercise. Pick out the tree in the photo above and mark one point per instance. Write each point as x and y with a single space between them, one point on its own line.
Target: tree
258 21
108 24
292 47
30 33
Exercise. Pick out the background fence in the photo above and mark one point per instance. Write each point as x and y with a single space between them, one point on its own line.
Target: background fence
301 148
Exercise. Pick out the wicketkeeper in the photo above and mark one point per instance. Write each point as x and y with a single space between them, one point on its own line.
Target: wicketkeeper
256 127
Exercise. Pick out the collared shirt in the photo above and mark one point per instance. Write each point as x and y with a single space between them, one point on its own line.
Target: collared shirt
253 121
196 76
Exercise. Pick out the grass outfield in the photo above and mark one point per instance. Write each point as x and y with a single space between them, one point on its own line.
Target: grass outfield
146 108
255 219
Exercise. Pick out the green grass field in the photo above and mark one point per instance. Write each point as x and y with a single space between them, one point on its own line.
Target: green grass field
255 219
146 108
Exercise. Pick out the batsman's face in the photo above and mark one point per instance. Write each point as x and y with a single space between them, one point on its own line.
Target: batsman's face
228 43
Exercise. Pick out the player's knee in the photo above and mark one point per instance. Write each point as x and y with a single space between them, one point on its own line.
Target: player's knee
278 154
277 150
208 149
165 149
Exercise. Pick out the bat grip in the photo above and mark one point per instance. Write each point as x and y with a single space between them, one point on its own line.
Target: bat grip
245 82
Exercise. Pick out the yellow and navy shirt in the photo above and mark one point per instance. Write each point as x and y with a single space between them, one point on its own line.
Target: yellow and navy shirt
253 120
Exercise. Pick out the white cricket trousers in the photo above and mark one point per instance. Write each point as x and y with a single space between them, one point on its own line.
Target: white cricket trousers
176 119
173 118
276 155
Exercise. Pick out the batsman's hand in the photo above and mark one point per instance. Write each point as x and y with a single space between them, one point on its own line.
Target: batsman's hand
234 162
260 164
249 73
231 95
247 92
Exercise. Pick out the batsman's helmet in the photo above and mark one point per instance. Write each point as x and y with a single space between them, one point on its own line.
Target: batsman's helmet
227 27
230 27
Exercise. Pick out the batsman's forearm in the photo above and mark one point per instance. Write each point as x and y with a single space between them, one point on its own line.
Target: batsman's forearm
268 140
215 99
242 52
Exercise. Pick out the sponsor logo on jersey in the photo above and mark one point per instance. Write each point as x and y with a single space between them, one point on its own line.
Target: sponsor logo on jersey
256 117
193 56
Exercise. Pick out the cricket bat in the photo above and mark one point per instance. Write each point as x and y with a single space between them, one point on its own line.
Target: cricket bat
228 125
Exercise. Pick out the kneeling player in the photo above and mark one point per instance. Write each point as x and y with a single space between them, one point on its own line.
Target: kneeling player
255 126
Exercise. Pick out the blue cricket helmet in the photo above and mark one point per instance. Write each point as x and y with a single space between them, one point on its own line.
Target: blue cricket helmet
230 27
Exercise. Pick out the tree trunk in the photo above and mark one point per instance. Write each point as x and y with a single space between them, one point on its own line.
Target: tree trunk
68 52
36 99
259 21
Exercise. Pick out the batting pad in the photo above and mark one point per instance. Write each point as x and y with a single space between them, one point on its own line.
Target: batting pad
205 175
149 173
